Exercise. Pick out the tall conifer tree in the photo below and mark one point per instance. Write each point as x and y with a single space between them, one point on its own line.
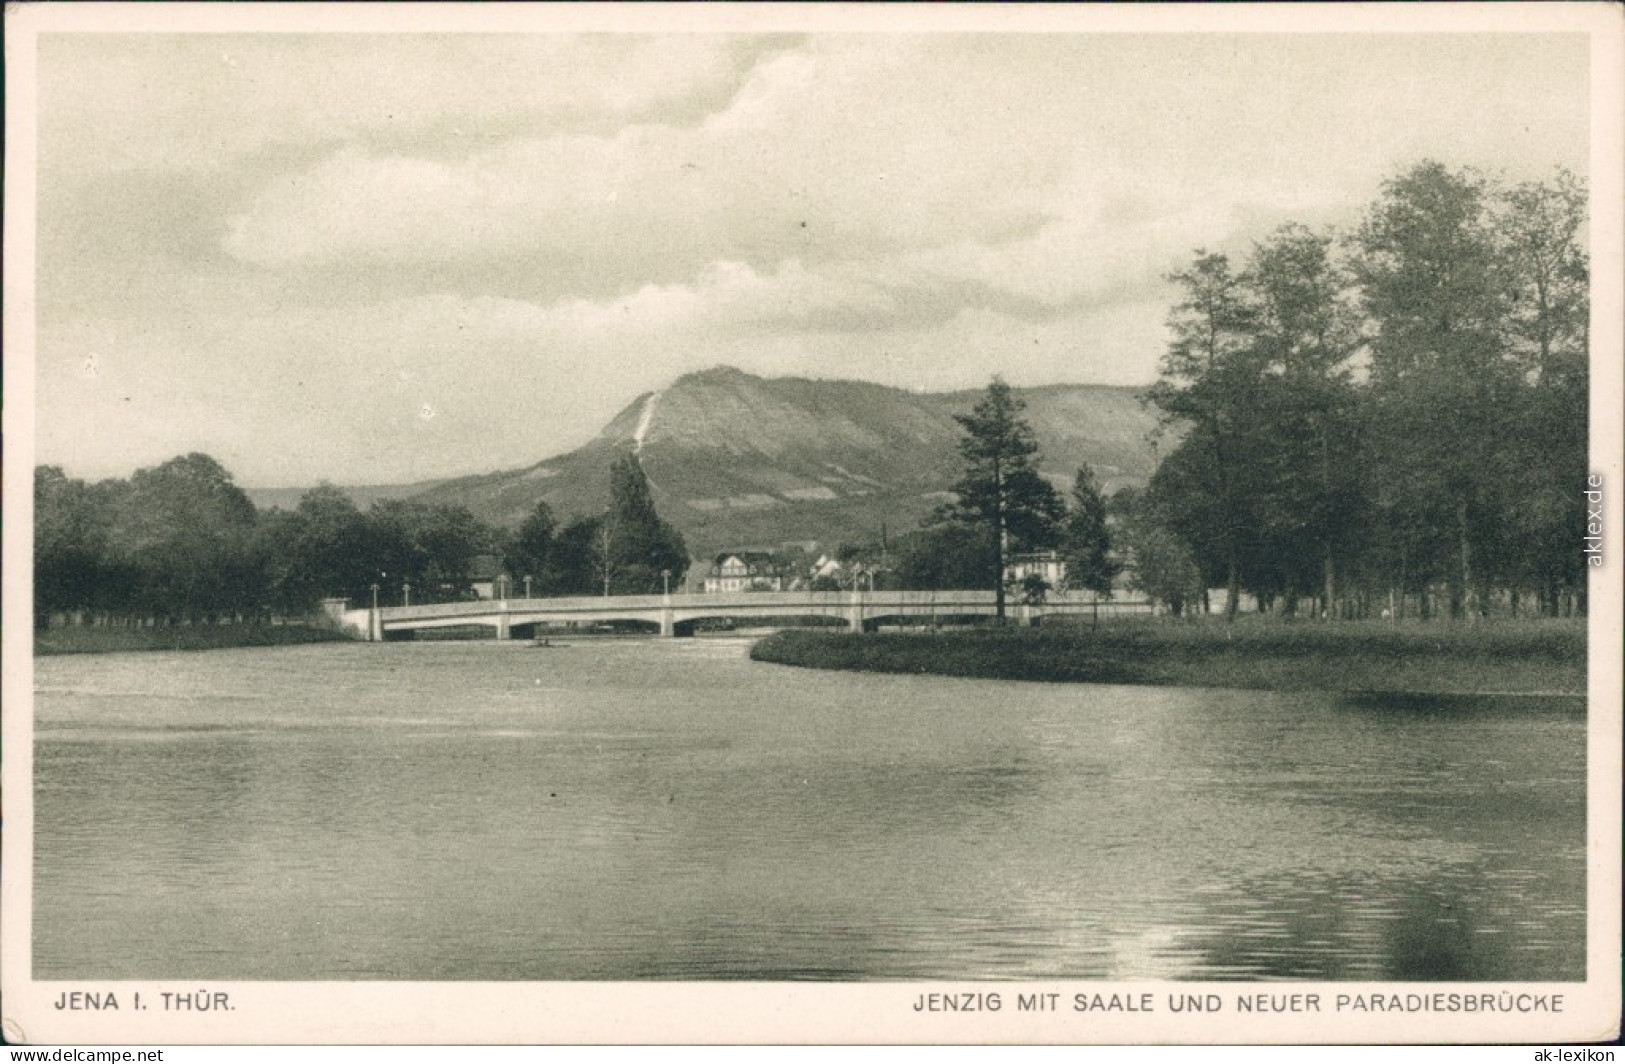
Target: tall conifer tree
1001 492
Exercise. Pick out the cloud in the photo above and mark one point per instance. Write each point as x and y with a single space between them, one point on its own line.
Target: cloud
283 247
1046 169
206 102
777 173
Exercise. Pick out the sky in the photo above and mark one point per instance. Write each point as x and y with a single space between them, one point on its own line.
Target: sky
384 258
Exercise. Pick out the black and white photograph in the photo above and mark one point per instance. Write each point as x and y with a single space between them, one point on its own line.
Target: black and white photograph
849 523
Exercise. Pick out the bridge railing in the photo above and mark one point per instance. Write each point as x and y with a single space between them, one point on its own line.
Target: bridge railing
672 611
486 607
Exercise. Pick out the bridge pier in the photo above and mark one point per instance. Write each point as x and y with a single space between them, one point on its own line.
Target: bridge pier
502 622
668 618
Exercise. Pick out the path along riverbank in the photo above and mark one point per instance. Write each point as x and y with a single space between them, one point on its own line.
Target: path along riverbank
1261 653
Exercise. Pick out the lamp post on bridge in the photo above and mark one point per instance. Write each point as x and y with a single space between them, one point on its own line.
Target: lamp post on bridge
406 593
502 604
375 623
665 577
855 616
527 586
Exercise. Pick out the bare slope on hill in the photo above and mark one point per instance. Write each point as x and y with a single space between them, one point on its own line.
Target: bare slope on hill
739 461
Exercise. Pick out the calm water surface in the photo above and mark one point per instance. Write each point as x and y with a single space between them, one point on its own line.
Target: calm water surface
671 810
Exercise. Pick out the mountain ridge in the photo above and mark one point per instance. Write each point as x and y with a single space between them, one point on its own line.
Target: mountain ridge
738 461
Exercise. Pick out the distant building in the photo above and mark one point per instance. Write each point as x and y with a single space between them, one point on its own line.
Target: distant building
828 568
488 577
1218 597
829 573
1045 563
743 571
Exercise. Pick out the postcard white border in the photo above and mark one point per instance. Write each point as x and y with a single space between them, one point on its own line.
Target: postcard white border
409 1013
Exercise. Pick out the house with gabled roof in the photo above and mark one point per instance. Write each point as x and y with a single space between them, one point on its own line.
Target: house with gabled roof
744 571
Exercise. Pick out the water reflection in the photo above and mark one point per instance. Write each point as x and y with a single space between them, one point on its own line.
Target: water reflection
673 811
1414 932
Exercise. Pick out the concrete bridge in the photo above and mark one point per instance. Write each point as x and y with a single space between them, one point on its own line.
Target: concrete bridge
677 615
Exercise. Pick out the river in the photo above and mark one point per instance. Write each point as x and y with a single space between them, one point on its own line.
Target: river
641 809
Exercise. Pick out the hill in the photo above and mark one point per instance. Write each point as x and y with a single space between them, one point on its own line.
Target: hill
737 461
364 495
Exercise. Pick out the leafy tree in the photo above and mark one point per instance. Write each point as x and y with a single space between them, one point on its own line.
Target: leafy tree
1431 279
1434 286
1165 571
1086 542
1303 321
72 539
188 530
1220 539
1264 486
1306 330
290 589
576 560
1162 567
451 538
947 557
1001 493
1540 226
180 542
432 548
331 546
1033 589
530 550
1548 276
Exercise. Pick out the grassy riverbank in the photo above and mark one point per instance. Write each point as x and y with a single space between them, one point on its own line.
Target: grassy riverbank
1258 653
203 637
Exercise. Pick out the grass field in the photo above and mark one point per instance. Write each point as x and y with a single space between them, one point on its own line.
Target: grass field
1546 656
204 637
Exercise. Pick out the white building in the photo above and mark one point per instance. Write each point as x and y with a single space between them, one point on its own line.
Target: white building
1045 563
743 571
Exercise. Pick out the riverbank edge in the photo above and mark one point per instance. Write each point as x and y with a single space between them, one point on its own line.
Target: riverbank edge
1542 661
59 641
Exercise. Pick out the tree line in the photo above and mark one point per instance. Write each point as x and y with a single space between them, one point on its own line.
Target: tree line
1394 419
181 543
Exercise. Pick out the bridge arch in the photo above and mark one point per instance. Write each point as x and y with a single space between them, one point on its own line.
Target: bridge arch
688 622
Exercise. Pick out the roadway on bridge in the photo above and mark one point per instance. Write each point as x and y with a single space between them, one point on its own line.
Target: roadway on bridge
676 614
